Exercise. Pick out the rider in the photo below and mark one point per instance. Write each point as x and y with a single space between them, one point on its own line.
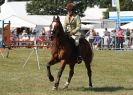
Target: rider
72 25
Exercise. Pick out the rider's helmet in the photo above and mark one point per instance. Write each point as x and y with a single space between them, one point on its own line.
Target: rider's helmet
70 7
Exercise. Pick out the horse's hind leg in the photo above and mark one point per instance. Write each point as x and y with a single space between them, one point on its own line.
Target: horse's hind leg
71 72
89 72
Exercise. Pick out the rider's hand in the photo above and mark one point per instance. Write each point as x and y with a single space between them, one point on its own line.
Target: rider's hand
72 33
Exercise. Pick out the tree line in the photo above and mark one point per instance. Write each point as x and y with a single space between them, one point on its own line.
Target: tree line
57 7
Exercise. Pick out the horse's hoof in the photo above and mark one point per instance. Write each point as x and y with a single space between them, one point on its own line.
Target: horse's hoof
65 87
90 86
51 78
54 88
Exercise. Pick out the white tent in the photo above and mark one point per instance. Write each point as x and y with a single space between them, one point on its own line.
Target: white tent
15 12
129 25
44 20
87 27
18 22
13 8
94 13
18 9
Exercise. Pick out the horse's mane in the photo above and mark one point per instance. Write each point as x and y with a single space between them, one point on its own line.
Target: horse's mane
61 30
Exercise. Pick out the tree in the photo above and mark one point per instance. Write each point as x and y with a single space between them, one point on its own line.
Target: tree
125 5
56 7
1 2
18 0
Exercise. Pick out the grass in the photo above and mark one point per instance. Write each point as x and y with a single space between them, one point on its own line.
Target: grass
112 74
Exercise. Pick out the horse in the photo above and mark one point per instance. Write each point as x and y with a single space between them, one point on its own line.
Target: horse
62 50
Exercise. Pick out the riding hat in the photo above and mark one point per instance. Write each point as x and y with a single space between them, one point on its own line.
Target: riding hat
70 7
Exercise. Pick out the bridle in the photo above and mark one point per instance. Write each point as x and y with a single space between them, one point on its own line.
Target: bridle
54 28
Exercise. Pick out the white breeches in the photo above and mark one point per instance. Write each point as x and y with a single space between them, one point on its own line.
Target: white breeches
76 38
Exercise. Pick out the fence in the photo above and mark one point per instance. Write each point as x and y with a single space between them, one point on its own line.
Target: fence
29 41
106 42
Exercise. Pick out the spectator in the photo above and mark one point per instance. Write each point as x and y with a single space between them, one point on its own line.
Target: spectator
25 36
97 41
43 31
131 37
107 40
40 40
128 37
106 32
91 36
120 38
113 38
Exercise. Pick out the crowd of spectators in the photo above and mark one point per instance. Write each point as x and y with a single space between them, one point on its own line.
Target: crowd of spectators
114 39
29 37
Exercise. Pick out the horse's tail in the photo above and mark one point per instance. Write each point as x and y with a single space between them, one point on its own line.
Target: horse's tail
86 49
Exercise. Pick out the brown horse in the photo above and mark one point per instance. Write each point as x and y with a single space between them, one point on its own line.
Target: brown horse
63 50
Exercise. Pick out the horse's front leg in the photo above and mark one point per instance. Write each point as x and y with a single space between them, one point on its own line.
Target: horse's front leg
50 76
63 64
71 72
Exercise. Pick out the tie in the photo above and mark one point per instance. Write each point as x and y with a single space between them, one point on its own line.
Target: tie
70 18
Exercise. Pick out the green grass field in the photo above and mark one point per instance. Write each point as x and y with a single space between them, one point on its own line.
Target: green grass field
112 74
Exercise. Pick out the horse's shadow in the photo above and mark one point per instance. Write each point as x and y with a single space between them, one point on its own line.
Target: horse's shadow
102 89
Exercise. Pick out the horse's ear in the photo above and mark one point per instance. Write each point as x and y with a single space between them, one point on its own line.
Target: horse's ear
53 18
58 17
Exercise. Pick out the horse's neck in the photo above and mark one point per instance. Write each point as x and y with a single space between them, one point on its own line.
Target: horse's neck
61 37
62 33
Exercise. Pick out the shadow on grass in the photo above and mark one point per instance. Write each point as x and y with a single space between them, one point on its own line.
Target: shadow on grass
101 89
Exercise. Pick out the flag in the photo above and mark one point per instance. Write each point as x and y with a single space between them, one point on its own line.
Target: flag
116 3
113 3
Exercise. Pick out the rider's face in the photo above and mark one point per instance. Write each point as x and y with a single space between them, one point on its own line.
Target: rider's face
69 12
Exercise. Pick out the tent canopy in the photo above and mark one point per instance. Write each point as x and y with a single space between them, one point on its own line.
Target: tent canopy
126 26
86 27
13 8
18 22
94 13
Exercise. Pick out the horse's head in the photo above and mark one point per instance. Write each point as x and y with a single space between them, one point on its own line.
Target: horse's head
56 27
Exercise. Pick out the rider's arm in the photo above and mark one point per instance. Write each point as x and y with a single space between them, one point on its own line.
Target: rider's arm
78 25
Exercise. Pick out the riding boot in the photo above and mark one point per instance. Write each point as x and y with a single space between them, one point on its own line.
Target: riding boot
79 57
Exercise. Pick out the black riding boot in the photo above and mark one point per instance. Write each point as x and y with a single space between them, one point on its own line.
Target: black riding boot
79 57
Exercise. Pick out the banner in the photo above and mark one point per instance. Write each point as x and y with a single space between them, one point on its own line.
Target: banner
6 36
